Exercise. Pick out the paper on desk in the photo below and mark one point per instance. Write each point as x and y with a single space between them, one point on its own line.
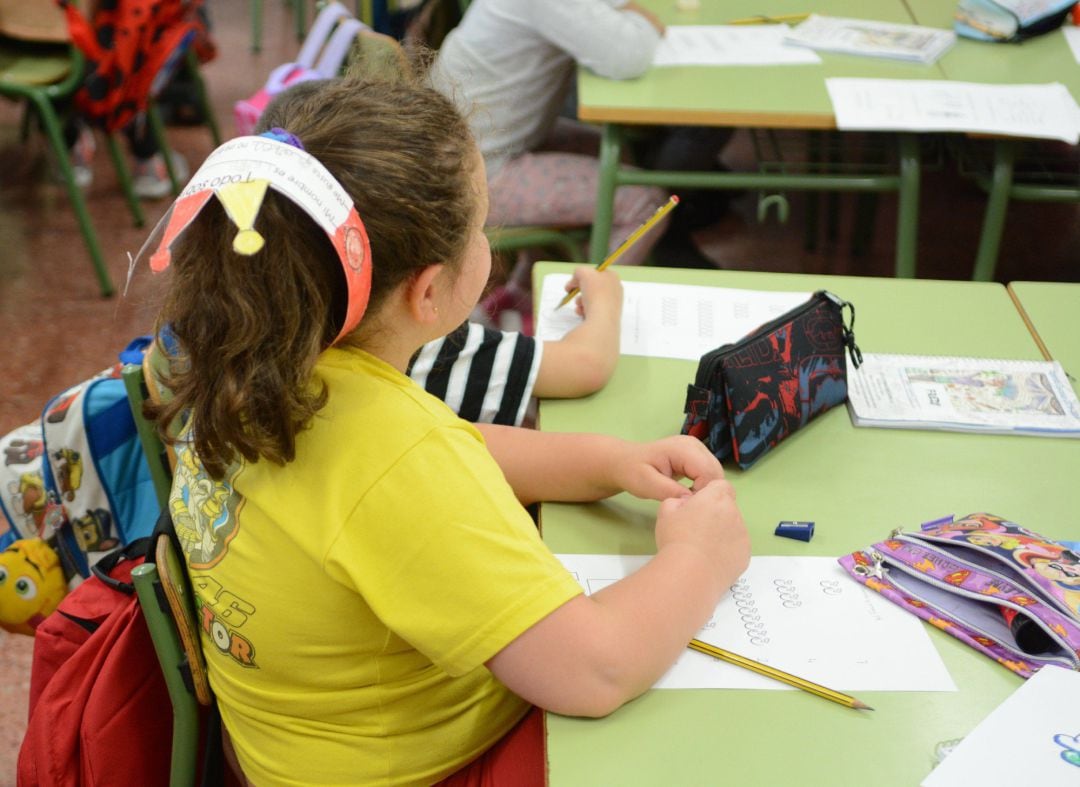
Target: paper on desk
1038 111
671 320
729 45
1033 737
1072 36
803 615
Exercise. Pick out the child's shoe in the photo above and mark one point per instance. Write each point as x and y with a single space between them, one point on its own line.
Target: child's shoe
81 155
151 178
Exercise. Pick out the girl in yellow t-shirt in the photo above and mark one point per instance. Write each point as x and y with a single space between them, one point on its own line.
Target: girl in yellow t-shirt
376 604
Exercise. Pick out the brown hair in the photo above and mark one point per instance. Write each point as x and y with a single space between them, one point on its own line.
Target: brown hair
249 329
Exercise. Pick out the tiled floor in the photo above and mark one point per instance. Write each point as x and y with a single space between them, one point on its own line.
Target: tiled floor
56 330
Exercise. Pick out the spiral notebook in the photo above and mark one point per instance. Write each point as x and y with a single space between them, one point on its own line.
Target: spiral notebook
963 394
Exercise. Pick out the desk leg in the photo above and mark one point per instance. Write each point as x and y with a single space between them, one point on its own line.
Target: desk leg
907 221
997 203
610 153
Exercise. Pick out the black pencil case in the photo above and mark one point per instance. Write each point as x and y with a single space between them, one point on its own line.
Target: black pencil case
750 395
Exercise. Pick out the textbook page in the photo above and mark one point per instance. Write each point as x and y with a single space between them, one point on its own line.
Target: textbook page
963 394
802 615
1033 737
1037 111
872 39
670 320
1072 37
729 45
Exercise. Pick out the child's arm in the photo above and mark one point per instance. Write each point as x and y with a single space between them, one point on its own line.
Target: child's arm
583 361
597 652
573 467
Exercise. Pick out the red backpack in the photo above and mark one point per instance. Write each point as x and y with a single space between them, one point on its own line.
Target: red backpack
99 709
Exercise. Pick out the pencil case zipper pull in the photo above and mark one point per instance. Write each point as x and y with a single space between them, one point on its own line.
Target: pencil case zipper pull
847 328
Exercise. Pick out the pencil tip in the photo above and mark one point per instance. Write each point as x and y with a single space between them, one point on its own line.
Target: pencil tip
861 705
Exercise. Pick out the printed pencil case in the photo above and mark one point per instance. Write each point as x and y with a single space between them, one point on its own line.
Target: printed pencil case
1006 591
750 395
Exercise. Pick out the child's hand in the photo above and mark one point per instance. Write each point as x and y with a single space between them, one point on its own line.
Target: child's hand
601 294
709 522
650 470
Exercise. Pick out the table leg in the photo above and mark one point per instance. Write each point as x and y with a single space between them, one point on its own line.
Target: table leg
907 220
997 203
610 153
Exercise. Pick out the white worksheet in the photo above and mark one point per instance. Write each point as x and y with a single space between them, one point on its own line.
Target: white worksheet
1039 111
1033 737
1072 37
803 615
729 45
671 320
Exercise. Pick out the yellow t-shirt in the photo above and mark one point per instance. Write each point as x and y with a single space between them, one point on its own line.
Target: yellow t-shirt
349 600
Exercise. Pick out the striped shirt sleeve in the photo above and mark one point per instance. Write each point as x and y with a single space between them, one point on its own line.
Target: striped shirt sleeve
484 375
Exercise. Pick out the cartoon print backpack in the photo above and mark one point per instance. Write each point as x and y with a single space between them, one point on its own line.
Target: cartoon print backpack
78 479
321 57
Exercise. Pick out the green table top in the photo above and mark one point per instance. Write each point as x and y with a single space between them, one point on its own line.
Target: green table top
856 484
1054 311
789 96
1045 58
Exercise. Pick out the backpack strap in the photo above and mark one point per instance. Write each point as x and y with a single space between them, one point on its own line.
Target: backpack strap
320 32
103 568
333 54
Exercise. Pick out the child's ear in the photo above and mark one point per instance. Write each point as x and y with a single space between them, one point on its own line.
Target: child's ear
423 293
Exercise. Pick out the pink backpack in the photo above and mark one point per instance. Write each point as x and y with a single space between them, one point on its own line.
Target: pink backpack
321 57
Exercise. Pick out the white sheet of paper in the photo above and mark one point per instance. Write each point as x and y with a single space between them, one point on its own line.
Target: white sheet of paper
1072 36
671 320
1033 737
803 615
729 45
1038 111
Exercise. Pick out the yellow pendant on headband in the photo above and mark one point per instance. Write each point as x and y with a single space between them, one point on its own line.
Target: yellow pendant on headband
242 202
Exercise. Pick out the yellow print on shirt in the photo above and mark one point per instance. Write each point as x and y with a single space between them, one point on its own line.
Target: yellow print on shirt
220 614
203 510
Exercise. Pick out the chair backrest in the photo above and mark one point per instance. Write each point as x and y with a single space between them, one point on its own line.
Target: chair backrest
168 604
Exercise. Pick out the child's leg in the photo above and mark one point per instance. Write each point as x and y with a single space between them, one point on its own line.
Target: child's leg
517 759
151 175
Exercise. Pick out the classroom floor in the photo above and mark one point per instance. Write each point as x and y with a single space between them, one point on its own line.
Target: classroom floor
56 330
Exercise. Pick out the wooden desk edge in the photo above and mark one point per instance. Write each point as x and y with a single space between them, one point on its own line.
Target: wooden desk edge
1027 321
699 117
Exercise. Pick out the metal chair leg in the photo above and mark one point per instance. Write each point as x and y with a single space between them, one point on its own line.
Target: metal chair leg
157 130
123 174
51 124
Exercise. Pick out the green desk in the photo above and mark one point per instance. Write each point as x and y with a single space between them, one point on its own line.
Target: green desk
768 97
1052 312
1046 58
856 484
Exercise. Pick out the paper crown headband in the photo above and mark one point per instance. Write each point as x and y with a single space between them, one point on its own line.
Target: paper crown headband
238 174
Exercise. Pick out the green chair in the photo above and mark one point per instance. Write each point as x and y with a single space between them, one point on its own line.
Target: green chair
43 74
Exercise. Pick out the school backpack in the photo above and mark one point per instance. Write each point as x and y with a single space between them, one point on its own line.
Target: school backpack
321 57
78 478
99 707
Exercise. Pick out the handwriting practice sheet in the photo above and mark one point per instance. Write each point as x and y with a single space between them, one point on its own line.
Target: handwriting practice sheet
671 320
1041 111
729 45
803 615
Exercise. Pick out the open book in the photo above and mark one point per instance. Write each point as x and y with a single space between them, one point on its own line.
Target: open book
963 394
873 39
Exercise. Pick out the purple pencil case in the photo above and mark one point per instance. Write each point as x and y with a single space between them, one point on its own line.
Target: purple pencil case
1006 591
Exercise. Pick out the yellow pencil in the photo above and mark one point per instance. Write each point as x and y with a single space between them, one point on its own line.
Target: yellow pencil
631 239
775 674
762 19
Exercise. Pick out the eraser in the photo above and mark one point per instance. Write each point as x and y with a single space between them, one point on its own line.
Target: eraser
800 531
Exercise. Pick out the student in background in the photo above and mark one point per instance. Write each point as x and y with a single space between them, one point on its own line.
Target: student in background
508 66
490 376
384 610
